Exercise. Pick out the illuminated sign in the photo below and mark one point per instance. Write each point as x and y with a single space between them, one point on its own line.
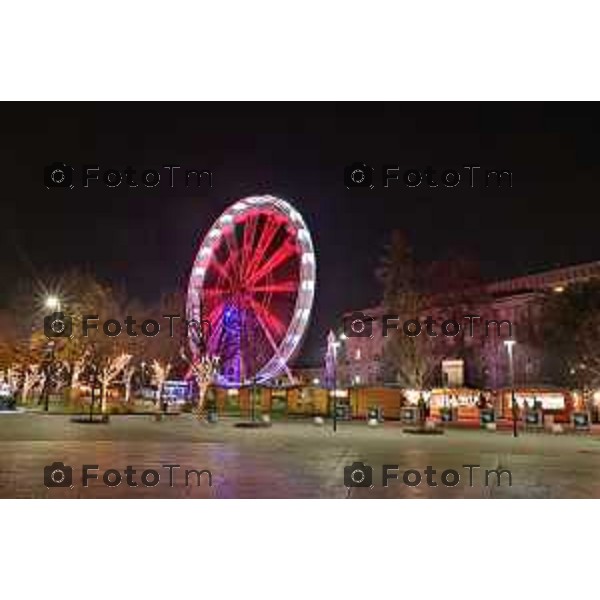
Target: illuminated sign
548 401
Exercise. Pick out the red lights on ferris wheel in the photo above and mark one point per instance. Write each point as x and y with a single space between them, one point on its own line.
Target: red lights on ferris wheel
254 279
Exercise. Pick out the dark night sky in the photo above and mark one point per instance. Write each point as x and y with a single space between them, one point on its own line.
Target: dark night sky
146 238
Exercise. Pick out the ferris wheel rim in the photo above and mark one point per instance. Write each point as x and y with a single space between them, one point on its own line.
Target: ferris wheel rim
297 324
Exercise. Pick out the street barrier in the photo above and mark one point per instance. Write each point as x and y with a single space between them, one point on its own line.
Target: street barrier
375 413
534 419
409 414
487 416
581 421
447 415
343 412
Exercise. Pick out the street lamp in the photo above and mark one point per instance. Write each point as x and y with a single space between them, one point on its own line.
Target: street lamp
331 363
335 345
509 348
53 303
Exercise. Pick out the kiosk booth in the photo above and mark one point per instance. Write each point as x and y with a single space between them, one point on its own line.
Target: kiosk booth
455 404
555 402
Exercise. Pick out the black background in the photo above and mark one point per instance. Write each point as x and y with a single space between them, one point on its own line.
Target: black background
146 238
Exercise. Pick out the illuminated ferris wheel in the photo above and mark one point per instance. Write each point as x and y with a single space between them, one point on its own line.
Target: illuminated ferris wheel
253 280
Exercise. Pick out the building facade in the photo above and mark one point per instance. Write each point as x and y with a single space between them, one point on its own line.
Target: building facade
487 358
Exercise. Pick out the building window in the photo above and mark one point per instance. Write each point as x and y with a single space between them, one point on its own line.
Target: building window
357 354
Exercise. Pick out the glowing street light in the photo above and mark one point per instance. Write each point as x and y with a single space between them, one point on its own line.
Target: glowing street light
53 302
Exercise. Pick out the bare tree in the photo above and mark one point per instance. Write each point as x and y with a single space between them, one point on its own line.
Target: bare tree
128 374
409 360
571 337
204 369
33 377
111 368
13 376
75 369
160 372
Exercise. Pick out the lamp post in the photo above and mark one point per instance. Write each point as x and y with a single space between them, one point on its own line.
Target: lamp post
94 381
52 303
331 366
509 348
336 345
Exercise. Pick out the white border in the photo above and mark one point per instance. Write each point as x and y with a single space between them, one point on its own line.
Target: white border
269 50
299 549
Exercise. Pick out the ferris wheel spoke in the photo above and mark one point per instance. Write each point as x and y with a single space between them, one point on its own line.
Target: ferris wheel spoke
220 268
214 317
274 347
280 256
215 314
232 244
225 269
268 320
200 330
267 235
248 241
216 335
228 269
289 286
268 334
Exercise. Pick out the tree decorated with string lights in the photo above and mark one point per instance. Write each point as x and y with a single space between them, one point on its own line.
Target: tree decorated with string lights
204 368
111 367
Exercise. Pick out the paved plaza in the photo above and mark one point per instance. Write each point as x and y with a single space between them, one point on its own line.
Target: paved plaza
292 459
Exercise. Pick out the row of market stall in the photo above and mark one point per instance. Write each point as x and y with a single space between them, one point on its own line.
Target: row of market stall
462 405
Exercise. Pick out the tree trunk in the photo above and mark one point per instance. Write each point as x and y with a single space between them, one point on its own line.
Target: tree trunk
74 385
103 396
202 389
27 385
75 369
127 389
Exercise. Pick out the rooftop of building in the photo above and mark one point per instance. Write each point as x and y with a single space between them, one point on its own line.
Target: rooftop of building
552 280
